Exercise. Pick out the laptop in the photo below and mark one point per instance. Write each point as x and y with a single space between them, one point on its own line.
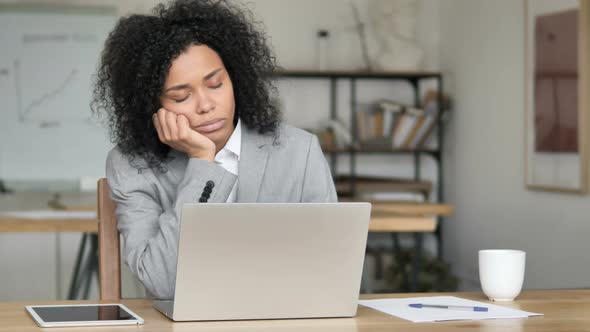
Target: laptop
241 261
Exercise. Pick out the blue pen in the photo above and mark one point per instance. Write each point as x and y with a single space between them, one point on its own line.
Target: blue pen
453 307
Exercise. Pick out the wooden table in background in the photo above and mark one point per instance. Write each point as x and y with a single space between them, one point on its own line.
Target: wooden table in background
34 201
385 217
50 225
564 310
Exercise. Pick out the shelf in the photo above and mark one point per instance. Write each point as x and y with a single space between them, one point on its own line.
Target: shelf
296 73
402 224
405 215
368 185
407 208
367 150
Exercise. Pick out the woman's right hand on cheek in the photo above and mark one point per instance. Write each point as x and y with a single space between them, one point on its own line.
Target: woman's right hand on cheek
174 130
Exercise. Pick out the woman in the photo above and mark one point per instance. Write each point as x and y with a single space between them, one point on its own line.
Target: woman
188 99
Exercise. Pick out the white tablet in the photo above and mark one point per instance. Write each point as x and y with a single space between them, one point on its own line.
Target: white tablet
82 315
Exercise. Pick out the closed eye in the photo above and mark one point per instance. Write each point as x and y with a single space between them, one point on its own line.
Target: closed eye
181 100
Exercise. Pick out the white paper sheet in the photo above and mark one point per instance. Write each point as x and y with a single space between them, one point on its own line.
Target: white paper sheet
50 214
401 309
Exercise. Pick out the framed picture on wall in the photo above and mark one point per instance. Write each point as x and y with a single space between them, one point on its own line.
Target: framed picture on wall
557 87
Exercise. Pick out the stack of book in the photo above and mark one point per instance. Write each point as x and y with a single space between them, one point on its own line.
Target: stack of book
393 125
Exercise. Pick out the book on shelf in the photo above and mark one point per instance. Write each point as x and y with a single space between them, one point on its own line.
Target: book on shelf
388 119
327 139
376 121
391 111
410 121
426 128
342 136
363 123
431 119
391 125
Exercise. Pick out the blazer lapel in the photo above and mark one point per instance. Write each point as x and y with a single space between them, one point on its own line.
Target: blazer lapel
253 159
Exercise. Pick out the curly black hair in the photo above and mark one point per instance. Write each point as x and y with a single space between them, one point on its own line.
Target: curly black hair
139 52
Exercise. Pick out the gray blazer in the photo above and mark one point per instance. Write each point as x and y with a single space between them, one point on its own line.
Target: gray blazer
291 168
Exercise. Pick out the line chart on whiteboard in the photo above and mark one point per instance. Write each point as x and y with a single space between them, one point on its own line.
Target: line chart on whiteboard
33 109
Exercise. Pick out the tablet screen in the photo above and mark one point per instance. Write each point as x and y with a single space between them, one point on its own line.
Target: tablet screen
83 313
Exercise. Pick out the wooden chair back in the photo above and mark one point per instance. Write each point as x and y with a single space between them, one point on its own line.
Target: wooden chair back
109 257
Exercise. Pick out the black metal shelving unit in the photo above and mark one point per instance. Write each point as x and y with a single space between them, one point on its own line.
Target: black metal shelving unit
414 79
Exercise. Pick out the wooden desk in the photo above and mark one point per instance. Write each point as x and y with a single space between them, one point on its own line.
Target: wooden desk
564 310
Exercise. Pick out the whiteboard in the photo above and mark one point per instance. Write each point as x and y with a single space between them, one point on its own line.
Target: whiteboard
47 59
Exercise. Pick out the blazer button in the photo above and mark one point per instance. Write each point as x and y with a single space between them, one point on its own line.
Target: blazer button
207 190
206 195
202 200
210 184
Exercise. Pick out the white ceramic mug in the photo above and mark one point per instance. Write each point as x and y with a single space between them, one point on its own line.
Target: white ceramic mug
501 273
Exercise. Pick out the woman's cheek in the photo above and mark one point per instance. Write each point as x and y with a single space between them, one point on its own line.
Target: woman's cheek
177 108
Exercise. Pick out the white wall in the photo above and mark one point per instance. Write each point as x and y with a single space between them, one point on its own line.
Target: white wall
292 25
482 52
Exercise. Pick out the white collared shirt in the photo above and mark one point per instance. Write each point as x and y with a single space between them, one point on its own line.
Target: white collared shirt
229 157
